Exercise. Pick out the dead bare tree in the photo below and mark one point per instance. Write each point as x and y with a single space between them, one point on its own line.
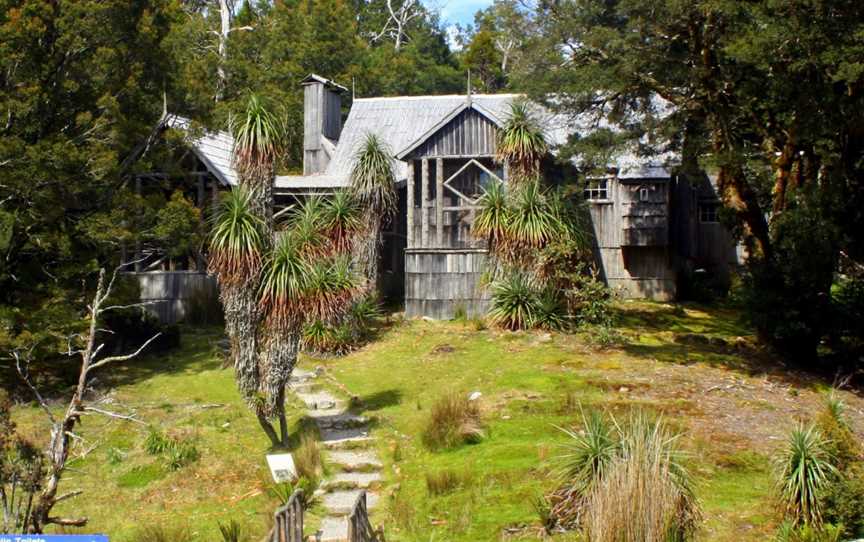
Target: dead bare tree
63 428
397 24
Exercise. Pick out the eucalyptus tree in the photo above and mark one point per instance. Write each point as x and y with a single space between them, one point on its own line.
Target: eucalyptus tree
373 183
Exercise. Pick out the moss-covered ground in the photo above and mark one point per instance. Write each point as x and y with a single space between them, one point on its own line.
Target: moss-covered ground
695 366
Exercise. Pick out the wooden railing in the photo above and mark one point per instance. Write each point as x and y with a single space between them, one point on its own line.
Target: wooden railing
288 524
359 527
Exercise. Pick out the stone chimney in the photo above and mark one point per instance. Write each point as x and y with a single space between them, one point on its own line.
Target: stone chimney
322 121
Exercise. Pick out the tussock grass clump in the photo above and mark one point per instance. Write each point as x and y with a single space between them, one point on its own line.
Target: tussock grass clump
445 481
307 457
231 531
453 421
624 482
178 451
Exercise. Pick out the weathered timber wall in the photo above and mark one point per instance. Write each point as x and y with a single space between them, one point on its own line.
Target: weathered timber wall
440 283
469 134
169 292
644 269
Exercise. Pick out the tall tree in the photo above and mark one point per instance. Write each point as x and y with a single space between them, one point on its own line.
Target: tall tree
767 94
81 86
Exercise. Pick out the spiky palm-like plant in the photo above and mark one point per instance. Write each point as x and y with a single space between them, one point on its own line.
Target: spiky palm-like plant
237 245
521 144
307 278
259 144
804 472
373 184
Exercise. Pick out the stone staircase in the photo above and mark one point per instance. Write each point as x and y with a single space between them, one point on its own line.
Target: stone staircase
352 462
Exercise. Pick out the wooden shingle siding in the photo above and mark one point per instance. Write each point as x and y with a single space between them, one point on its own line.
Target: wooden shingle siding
469 134
441 283
167 293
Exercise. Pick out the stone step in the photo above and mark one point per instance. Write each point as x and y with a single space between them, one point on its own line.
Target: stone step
354 460
321 400
342 502
353 480
333 529
340 438
343 420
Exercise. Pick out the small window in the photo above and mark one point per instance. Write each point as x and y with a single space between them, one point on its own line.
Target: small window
597 190
643 194
708 212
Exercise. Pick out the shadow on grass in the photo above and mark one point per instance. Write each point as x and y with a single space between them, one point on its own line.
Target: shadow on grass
377 401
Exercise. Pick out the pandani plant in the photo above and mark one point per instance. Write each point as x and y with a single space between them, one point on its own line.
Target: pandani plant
521 145
373 184
308 277
237 247
804 471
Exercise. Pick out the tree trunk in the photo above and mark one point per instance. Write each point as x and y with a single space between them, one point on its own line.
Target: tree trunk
280 357
224 31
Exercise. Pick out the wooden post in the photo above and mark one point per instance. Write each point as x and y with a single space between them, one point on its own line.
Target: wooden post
424 203
439 202
409 186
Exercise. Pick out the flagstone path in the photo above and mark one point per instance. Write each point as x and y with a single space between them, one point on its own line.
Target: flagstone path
353 464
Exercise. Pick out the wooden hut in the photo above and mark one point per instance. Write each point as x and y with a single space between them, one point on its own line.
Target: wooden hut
648 222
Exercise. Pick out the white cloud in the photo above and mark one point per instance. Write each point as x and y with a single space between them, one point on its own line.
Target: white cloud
457 11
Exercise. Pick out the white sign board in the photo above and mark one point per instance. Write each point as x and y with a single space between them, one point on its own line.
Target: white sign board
282 467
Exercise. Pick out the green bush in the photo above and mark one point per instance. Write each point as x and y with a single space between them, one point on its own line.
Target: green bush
843 503
806 533
133 326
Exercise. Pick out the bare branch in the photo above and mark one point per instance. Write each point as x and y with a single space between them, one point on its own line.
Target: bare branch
69 495
113 414
112 359
24 373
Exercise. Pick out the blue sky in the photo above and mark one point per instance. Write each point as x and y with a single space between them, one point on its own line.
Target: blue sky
457 11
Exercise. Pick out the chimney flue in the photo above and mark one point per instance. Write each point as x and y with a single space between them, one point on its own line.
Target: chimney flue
322 121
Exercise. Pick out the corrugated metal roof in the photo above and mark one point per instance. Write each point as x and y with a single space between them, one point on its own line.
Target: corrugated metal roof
401 121
214 149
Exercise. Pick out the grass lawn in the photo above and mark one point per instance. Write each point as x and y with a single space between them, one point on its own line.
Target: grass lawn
695 366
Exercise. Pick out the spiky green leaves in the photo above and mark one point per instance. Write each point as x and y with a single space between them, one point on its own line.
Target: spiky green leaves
804 472
259 141
521 144
236 239
372 177
308 275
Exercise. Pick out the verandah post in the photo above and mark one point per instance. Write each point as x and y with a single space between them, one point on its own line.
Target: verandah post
409 222
424 202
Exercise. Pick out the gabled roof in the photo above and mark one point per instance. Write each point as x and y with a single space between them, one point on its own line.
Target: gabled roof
214 149
403 153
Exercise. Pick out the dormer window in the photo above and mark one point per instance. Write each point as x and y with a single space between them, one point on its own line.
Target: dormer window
597 190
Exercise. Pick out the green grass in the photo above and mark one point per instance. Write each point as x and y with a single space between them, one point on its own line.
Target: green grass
530 383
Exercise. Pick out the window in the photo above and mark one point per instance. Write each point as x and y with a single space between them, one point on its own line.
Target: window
597 190
643 194
708 212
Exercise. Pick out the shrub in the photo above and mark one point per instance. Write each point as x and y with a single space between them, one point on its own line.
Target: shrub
283 492
843 503
443 481
178 452
624 482
645 493
590 301
806 533
840 441
514 302
804 472
453 421
345 335
231 531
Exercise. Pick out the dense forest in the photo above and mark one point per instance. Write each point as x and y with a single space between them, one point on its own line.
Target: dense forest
769 95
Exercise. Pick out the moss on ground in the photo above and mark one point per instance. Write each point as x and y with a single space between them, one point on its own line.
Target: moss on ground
693 365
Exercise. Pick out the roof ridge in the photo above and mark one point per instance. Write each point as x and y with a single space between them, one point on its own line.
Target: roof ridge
433 96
